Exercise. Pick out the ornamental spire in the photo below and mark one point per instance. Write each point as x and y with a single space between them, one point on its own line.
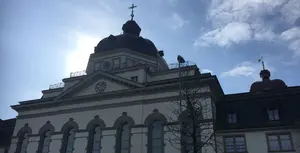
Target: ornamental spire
132 7
261 60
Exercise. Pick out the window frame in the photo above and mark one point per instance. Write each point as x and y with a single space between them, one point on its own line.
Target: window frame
234 141
24 130
230 117
48 127
92 125
134 78
277 134
272 110
68 126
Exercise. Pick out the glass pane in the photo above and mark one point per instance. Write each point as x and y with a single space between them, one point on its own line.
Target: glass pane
125 144
71 140
156 150
156 142
125 132
229 140
273 137
97 136
276 115
96 151
45 149
96 146
284 137
274 145
157 129
124 151
286 145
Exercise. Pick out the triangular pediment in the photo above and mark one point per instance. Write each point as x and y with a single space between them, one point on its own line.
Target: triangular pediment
97 83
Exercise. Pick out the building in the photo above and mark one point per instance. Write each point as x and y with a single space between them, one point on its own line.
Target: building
120 104
6 131
266 119
124 102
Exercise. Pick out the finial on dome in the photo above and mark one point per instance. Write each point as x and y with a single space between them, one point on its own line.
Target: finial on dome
132 7
262 62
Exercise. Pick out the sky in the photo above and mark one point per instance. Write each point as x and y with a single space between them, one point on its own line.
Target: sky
41 42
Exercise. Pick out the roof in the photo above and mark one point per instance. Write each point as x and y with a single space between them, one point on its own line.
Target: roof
6 131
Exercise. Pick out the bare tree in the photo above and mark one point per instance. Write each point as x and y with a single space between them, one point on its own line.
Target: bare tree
193 120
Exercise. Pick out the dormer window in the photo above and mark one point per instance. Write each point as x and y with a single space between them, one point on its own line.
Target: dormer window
273 114
231 117
134 78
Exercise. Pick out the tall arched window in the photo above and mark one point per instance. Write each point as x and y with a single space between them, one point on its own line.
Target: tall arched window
23 136
125 138
155 123
123 125
157 137
45 137
95 127
69 129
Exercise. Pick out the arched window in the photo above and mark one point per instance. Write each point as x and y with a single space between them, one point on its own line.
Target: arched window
23 139
125 138
157 137
68 130
123 125
70 144
95 127
45 137
155 123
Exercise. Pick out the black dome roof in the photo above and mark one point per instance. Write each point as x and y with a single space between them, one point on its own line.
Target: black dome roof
129 39
267 83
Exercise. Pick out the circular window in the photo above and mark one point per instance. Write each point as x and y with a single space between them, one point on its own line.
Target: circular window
106 65
100 87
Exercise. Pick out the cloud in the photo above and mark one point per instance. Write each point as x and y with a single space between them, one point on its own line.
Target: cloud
244 69
290 34
295 47
232 33
256 20
247 69
177 21
206 71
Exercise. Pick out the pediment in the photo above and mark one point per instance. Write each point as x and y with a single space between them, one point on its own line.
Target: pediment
98 83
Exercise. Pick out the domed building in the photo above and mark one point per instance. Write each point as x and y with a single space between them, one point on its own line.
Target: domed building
121 103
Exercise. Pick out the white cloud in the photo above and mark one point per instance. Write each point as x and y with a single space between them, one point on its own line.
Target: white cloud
261 16
290 34
243 69
247 69
232 33
295 47
177 21
206 71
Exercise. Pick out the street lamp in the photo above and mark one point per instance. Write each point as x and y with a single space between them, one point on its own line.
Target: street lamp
180 60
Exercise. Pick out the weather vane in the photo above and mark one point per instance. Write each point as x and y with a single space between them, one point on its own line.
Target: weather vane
262 62
132 7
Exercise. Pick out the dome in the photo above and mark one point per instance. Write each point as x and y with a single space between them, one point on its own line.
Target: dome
130 39
266 83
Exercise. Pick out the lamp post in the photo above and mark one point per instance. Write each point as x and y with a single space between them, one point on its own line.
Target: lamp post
180 60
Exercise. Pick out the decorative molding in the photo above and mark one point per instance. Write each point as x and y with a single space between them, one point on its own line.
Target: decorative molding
24 129
46 127
95 122
70 124
155 116
122 120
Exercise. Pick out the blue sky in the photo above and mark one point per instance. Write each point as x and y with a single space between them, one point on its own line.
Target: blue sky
41 42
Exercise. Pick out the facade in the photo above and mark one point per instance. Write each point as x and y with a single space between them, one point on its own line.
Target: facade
121 104
266 119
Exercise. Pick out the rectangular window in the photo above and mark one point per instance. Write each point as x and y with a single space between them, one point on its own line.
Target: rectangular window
234 144
279 142
273 114
231 117
134 78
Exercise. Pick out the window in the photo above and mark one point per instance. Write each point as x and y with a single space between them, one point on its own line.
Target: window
231 117
157 137
234 144
70 140
134 78
96 140
24 143
125 138
187 139
46 142
273 114
280 142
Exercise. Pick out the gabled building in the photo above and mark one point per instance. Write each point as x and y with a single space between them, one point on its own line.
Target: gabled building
266 119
